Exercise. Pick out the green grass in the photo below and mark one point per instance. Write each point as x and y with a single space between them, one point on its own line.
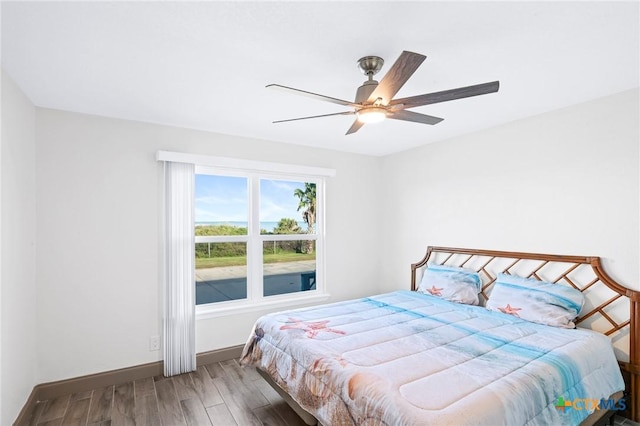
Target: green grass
216 262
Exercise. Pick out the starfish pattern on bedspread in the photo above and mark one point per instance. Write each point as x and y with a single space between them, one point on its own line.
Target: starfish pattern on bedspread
311 328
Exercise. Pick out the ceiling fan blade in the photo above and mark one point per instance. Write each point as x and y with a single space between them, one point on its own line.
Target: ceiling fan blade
316 116
415 117
312 95
355 127
398 74
448 95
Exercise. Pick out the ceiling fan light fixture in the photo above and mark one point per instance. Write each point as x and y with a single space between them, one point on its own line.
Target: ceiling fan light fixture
371 114
375 101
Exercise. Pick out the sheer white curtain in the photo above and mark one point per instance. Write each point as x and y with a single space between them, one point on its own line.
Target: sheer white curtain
179 246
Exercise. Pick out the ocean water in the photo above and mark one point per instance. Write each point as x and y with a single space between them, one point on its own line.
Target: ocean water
267 226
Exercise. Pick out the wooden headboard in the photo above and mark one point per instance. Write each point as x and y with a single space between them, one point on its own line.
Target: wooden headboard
610 308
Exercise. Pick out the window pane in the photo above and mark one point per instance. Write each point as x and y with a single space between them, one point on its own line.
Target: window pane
221 272
287 207
289 266
221 205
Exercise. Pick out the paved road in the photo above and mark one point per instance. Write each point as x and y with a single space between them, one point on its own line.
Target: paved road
230 283
225 272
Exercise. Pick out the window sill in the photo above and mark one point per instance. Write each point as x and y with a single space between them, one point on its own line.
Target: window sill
214 311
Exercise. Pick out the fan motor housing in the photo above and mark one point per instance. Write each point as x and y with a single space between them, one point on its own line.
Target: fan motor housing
369 65
363 92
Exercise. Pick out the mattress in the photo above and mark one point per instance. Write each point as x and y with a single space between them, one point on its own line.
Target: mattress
405 358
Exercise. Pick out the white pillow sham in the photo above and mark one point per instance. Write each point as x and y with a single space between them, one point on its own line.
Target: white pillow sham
536 301
453 283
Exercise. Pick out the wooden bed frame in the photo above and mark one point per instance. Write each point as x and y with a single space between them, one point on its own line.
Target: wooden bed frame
601 311
605 311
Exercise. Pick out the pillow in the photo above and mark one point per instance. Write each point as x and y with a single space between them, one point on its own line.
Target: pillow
536 301
451 283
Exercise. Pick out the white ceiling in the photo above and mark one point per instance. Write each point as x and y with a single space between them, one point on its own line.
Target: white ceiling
204 65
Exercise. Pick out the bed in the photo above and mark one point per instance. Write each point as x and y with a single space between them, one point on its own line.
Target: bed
413 357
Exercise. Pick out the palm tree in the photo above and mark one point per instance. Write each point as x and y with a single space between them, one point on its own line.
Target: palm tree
308 203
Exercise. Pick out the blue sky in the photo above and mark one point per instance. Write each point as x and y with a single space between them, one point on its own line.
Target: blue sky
224 198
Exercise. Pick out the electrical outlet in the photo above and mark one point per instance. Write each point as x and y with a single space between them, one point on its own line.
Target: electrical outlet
154 343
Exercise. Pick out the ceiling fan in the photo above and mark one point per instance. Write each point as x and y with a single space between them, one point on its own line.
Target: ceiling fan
374 101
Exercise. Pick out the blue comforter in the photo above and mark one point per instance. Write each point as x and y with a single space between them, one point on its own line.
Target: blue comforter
405 358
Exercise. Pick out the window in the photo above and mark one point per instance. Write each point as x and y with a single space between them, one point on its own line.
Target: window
258 233
221 237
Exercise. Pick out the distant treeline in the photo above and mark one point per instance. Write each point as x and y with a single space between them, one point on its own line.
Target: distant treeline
233 249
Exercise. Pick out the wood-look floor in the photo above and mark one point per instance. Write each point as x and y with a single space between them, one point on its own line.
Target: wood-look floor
221 393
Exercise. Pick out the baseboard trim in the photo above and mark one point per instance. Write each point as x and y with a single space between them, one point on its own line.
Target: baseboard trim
58 388
219 355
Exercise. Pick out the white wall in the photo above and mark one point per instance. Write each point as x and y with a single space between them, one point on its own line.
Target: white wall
564 182
17 248
98 225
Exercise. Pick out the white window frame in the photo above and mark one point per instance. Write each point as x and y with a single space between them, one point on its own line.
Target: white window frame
254 171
